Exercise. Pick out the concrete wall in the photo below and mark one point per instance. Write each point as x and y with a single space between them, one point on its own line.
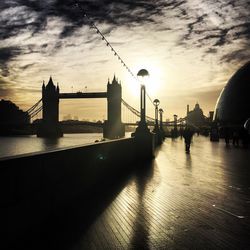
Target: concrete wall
34 185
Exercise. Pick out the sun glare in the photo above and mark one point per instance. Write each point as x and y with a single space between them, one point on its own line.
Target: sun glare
153 81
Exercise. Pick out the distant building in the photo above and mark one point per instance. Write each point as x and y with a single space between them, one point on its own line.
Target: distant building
196 117
211 115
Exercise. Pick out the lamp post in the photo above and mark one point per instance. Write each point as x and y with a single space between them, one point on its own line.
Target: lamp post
161 112
144 142
175 125
142 76
162 133
156 104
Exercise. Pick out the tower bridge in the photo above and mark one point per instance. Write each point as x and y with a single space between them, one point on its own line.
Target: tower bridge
113 126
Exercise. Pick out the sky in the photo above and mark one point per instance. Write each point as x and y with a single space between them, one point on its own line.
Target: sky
191 48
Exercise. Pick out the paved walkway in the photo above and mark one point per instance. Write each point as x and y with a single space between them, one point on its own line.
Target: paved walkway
199 200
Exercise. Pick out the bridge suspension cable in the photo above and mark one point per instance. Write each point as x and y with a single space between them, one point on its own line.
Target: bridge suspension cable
93 25
34 106
35 109
136 112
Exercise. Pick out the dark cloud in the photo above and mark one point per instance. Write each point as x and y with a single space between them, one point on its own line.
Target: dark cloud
214 24
241 55
68 30
3 83
191 27
211 50
33 15
16 18
224 36
27 66
7 54
241 30
20 16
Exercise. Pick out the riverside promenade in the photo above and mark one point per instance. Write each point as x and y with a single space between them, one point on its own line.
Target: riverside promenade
199 200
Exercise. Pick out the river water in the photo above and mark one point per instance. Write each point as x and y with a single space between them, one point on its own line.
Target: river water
17 145
11 146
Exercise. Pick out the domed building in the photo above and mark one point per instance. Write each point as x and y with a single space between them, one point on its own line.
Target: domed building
233 105
195 117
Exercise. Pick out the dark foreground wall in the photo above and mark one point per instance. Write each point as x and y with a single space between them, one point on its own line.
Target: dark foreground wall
34 186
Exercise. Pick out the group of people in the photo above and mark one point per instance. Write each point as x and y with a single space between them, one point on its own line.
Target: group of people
236 135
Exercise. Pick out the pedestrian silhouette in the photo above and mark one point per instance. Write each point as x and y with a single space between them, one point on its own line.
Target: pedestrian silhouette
236 137
227 135
244 136
187 134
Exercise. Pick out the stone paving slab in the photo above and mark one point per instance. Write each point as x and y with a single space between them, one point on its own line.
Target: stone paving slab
199 200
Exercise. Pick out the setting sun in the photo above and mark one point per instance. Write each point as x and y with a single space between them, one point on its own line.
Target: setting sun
152 82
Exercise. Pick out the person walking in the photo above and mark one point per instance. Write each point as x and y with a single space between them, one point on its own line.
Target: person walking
187 134
236 137
227 135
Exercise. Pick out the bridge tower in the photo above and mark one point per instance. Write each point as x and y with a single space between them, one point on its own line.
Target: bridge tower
113 127
49 126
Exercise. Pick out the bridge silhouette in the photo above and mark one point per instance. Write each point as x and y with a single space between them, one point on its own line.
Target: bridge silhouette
113 127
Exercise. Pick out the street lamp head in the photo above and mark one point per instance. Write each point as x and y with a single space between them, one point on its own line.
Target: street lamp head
142 76
160 111
156 102
143 73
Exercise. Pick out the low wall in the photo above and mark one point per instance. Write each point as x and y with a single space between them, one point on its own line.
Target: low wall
34 185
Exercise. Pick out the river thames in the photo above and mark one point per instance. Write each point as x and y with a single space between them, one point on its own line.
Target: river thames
17 145
11 146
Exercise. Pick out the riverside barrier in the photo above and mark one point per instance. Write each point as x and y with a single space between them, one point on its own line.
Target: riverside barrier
33 186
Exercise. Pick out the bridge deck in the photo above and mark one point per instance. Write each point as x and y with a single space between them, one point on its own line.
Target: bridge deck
83 95
180 201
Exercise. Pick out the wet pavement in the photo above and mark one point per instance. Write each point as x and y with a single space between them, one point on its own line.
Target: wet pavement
199 200
178 201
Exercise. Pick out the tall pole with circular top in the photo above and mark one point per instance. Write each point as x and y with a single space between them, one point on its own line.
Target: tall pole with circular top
161 112
143 137
142 76
175 126
156 104
161 130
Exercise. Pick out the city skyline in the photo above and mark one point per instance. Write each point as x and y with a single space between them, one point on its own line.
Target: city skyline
190 48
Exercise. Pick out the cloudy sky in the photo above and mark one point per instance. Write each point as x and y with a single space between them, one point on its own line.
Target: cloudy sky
190 48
